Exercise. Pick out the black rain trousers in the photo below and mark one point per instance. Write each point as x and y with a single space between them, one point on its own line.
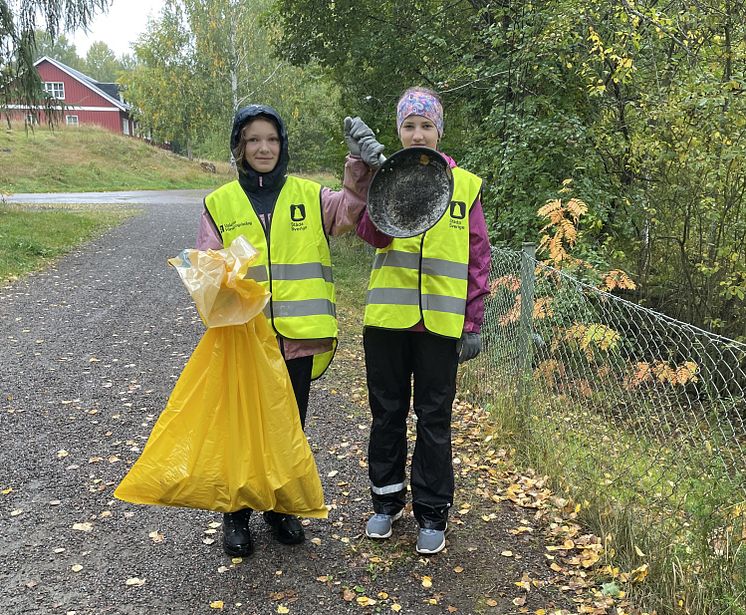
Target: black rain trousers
393 359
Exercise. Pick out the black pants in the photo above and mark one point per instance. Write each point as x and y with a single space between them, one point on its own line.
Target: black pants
392 358
300 377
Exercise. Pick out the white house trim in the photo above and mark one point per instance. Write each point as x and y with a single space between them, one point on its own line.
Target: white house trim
65 108
87 84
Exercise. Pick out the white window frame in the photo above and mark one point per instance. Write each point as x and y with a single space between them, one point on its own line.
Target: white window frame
75 120
125 126
56 89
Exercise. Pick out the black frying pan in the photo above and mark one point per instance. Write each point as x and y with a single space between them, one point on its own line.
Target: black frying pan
410 192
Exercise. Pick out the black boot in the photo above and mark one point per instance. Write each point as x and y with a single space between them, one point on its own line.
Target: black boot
286 528
237 539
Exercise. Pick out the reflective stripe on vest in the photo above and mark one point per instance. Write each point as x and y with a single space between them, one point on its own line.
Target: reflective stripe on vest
425 277
296 265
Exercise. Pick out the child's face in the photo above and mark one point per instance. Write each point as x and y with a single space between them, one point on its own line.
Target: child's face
418 130
262 149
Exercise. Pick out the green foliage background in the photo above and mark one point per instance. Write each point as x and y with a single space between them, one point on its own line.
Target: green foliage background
640 104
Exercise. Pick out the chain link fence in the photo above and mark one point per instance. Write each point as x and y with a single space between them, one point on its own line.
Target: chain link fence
639 418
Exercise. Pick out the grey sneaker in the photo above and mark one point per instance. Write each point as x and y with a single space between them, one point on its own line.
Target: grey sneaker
430 541
379 525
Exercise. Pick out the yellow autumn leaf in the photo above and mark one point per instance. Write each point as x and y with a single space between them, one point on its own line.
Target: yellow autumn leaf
427 582
639 574
396 607
216 604
283 609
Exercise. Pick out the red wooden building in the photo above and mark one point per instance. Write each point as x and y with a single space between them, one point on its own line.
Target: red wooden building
86 101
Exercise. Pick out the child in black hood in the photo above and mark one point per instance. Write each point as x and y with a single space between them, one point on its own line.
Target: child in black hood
288 220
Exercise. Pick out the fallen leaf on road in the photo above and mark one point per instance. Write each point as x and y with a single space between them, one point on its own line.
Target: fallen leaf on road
83 527
427 582
156 536
135 581
216 604
76 567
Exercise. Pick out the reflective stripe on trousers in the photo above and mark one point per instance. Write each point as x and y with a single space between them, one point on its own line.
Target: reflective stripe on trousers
396 488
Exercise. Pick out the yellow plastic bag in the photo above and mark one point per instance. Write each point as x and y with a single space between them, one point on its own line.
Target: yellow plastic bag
230 436
216 281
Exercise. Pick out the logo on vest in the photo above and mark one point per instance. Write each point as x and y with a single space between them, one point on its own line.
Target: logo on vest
298 217
229 226
458 213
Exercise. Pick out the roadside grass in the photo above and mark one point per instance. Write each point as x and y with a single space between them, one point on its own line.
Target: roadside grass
91 159
29 240
664 507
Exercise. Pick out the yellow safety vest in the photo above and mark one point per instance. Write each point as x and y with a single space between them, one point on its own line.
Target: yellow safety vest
296 266
425 277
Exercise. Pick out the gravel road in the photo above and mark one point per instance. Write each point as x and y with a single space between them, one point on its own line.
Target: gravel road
90 351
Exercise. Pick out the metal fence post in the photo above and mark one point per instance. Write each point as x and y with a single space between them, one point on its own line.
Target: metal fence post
525 330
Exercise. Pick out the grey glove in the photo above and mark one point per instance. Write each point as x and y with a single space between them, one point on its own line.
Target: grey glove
361 141
470 345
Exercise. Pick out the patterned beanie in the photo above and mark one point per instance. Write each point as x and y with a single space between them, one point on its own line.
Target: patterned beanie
419 102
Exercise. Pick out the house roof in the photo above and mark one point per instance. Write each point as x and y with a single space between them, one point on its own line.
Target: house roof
110 91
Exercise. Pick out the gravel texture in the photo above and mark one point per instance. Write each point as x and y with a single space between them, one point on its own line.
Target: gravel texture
90 351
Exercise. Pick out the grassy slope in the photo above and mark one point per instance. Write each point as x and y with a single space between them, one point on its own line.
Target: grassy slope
93 159
83 159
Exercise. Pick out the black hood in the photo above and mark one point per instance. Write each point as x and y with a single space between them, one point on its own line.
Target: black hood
248 177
